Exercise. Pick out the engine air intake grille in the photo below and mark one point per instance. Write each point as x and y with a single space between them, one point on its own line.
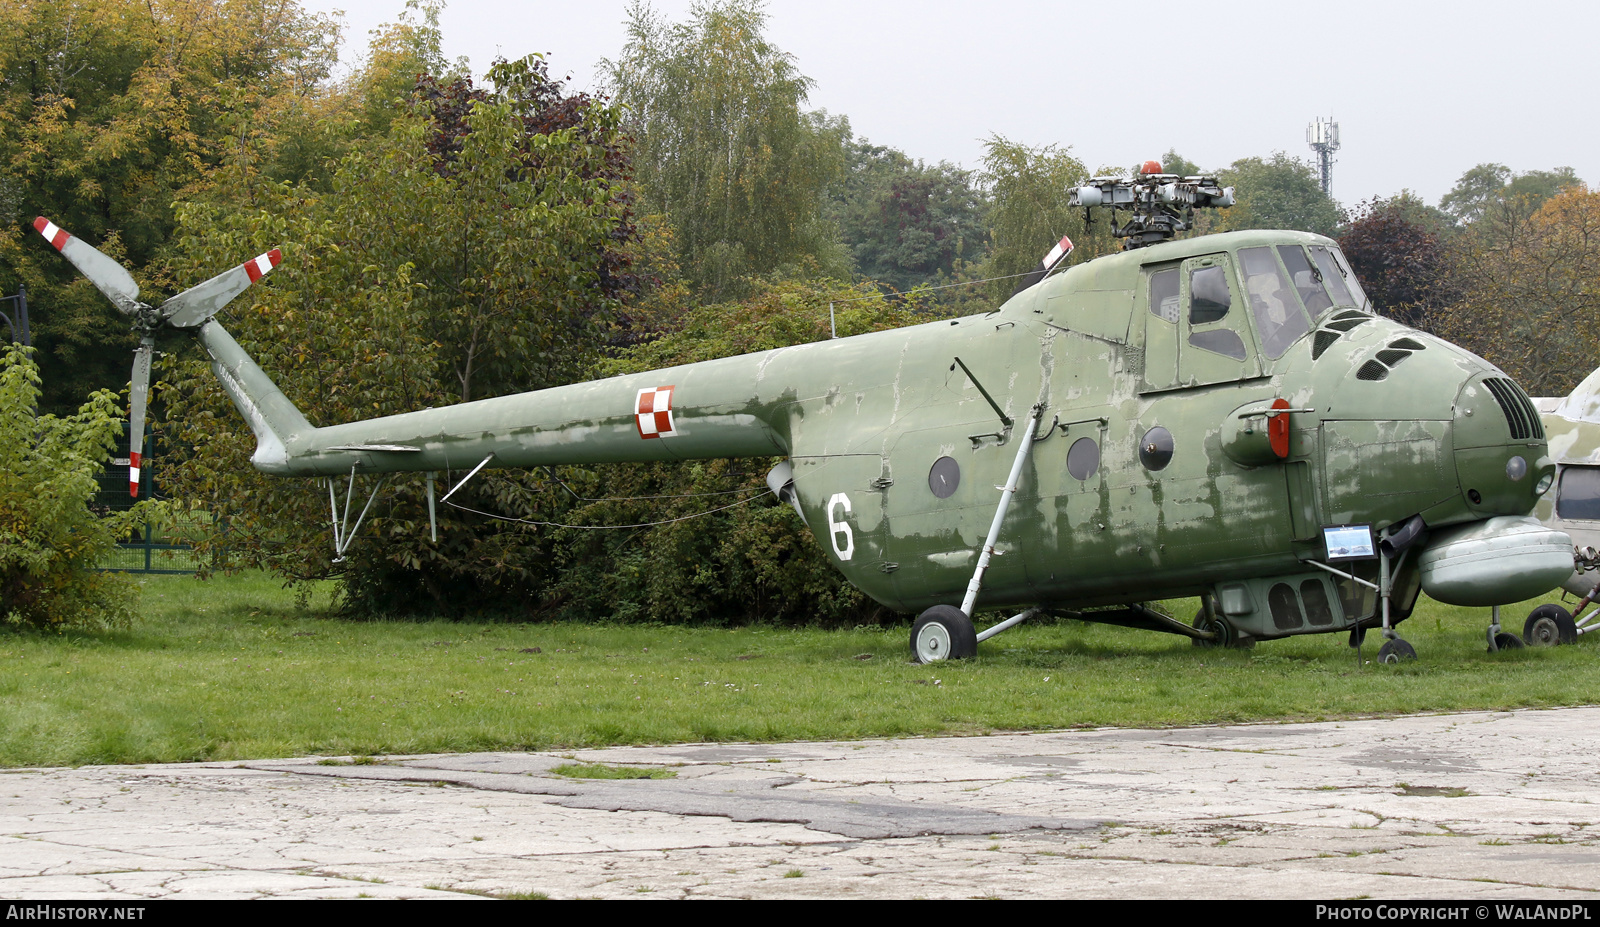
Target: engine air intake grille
1345 321
1322 342
1372 370
1521 417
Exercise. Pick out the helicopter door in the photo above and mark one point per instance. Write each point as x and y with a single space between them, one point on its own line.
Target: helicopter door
1161 329
1215 344
1195 330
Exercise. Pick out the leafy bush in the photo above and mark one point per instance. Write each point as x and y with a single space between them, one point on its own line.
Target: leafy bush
50 540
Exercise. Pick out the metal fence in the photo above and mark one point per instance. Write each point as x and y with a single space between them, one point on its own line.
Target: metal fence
17 318
150 549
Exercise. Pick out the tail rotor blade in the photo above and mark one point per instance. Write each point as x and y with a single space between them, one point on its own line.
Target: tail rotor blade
139 394
195 305
107 275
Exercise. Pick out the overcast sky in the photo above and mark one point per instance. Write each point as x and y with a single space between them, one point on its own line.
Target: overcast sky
1422 91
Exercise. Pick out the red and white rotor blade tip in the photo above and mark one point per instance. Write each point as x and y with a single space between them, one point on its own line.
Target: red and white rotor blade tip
138 399
107 275
194 306
1061 250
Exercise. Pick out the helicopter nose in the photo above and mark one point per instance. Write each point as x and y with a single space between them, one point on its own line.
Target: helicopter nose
1502 462
1502 467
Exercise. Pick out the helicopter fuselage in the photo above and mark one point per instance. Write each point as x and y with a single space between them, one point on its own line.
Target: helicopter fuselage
1159 467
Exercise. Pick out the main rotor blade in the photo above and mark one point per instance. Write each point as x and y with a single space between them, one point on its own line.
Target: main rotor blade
193 306
107 275
138 396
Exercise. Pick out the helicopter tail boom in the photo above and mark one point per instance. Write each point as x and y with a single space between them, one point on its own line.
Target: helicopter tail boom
638 417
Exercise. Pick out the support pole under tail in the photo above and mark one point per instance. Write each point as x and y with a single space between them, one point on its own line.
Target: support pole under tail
433 523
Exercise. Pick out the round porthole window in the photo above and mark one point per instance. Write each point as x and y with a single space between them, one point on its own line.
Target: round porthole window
1083 458
1155 448
944 477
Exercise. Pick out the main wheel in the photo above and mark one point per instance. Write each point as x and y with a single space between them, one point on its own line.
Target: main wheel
943 632
1396 651
1549 625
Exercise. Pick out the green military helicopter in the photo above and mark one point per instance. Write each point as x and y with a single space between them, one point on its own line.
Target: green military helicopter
1572 426
1220 417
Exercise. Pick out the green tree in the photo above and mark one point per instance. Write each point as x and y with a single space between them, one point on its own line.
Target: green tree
724 147
50 540
1531 293
1277 193
1174 163
1475 191
1493 191
111 110
907 223
1029 188
473 251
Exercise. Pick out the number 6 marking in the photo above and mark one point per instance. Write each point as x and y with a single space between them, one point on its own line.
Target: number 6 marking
838 526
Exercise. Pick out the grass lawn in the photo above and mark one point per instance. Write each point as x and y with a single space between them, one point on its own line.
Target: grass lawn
230 668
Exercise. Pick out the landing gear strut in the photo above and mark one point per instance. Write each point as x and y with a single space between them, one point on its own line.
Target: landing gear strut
945 632
1498 639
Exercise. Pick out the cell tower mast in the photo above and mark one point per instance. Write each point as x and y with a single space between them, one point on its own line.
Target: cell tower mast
1323 137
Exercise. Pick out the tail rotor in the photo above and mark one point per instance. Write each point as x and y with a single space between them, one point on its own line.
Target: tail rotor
188 310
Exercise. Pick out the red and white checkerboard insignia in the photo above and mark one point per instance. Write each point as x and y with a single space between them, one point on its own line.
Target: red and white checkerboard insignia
653 412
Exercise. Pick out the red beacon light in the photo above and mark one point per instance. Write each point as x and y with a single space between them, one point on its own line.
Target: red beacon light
1151 167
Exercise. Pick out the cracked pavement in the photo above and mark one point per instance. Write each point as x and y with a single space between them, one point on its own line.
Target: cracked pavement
1483 805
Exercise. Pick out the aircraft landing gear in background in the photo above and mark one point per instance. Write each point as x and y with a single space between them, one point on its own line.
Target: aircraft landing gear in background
943 632
1505 641
1549 625
1498 639
1396 651
1226 634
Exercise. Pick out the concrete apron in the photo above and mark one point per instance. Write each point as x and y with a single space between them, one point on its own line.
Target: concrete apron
1481 805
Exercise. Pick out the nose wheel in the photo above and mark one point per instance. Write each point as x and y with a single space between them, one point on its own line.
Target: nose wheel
1396 651
943 632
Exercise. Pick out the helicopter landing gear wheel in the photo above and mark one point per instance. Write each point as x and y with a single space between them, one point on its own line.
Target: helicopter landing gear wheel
1505 640
1549 625
1396 651
1226 634
943 632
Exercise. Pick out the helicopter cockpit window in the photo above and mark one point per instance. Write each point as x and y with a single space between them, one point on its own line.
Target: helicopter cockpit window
1307 279
1342 284
1164 294
1209 298
1351 281
1279 318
